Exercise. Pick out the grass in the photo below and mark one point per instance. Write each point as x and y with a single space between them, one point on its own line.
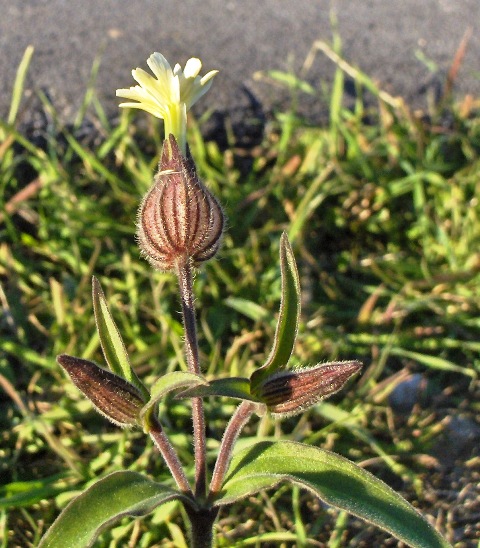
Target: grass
381 205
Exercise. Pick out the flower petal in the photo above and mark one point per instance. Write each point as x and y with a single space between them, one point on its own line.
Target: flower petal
159 65
199 89
169 93
192 68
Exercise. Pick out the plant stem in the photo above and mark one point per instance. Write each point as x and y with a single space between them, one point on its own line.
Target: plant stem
168 453
237 422
185 282
202 521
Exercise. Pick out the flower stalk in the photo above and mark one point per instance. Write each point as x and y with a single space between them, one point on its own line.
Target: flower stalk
185 283
239 419
168 453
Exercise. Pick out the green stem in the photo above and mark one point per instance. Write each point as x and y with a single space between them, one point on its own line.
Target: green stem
185 282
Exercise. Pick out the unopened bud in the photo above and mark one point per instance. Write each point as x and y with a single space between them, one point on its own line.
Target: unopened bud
112 396
179 219
287 393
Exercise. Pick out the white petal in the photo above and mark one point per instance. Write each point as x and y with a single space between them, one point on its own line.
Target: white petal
142 77
135 92
175 90
169 93
147 108
155 88
199 91
192 68
208 77
158 65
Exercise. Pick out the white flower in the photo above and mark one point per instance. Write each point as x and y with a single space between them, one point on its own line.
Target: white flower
170 94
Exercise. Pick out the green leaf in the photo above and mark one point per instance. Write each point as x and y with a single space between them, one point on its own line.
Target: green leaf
248 308
112 344
317 192
287 326
18 86
335 480
120 494
292 81
26 493
234 387
433 362
168 382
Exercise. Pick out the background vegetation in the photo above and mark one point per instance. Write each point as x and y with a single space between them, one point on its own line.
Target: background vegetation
382 206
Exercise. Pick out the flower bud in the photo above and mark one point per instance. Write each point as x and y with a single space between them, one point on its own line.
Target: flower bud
179 219
112 396
287 393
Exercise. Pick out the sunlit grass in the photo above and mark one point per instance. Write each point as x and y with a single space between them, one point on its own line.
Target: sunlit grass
381 205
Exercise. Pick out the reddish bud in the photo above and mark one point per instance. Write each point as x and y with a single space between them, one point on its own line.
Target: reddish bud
179 219
290 392
112 396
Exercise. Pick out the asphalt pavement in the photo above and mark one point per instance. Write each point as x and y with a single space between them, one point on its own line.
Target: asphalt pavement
407 47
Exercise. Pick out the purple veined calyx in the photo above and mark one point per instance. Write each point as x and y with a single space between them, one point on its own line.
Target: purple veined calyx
290 392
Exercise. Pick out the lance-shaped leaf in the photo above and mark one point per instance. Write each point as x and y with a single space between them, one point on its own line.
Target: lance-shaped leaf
287 326
287 393
335 480
168 382
233 387
112 396
118 495
112 343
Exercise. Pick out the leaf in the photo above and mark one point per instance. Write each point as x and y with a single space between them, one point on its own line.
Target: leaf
26 493
168 382
335 480
120 494
433 362
248 308
112 344
292 81
234 387
18 87
317 192
287 326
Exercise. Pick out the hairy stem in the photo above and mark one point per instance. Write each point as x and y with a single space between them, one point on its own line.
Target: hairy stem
168 453
237 422
185 282
201 530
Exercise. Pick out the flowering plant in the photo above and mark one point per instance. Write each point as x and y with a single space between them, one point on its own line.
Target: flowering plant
179 226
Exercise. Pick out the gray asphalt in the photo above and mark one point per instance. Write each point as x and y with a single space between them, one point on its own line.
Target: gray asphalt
386 39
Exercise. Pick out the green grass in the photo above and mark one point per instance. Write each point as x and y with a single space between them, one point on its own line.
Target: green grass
381 204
